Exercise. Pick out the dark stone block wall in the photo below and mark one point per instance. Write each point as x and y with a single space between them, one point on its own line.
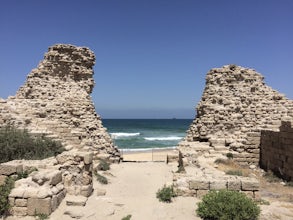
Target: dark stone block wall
276 151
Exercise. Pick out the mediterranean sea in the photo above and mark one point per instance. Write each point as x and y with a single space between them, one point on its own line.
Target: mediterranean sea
146 134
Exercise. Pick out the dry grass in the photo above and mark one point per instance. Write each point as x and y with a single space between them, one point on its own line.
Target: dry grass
232 168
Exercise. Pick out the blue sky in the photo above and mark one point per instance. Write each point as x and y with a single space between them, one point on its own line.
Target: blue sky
151 56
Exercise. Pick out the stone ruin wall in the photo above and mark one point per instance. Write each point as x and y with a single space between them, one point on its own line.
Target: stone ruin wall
235 107
70 173
55 101
276 151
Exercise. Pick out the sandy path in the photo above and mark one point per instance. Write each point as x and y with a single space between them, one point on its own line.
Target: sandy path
132 191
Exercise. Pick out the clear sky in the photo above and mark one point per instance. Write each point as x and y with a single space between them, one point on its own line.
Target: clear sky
151 55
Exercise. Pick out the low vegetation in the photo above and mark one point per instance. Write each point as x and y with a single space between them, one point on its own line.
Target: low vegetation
226 205
5 190
234 172
229 156
128 217
101 179
41 216
166 194
103 165
18 144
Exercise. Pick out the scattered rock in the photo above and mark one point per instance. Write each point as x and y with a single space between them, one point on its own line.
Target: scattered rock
76 200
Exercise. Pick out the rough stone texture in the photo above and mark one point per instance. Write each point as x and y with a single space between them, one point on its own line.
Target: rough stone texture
277 151
235 107
55 101
76 200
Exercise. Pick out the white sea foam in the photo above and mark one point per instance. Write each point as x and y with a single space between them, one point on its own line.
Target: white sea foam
146 149
171 138
123 135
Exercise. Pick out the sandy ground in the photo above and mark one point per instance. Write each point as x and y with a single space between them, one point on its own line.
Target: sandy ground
132 191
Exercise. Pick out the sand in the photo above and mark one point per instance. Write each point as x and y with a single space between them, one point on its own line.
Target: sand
132 191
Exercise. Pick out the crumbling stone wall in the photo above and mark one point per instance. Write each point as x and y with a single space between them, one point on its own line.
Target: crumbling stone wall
276 151
51 180
55 101
235 107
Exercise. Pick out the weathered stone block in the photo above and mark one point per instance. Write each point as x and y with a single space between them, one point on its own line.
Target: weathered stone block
8 170
39 206
88 158
55 177
249 184
76 200
17 192
201 193
199 184
218 184
86 190
19 211
20 202
234 184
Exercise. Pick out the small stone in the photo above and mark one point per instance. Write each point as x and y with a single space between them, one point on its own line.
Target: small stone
100 192
75 200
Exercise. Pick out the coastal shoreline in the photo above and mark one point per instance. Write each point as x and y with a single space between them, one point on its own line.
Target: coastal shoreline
153 154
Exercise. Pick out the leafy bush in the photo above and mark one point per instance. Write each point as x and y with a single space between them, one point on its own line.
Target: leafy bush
103 165
5 190
234 172
166 193
229 156
101 179
226 205
128 217
41 216
18 144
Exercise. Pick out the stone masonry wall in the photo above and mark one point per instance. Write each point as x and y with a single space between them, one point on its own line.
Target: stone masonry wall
276 151
55 101
235 107
51 180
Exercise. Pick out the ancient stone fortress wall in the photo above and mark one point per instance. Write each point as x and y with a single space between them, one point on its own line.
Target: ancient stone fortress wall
70 173
235 107
55 101
276 151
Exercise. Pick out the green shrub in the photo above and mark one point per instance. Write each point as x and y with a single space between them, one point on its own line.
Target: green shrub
226 205
166 193
18 144
229 156
41 216
103 165
101 179
5 190
234 172
128 217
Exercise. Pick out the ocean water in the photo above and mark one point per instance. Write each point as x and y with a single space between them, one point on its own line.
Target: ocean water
146 134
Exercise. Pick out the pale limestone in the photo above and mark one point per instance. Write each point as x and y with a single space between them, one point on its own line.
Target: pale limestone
235 106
